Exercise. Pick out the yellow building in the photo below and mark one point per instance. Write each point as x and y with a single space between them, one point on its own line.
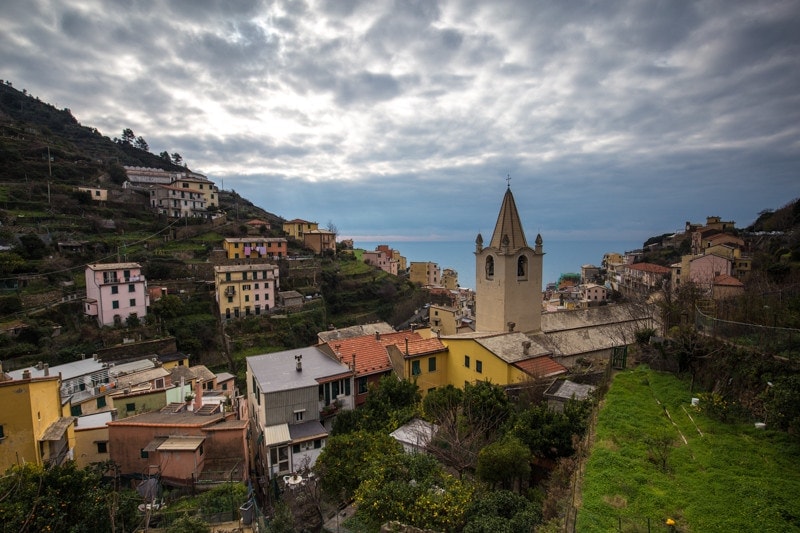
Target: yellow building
443 319
450 279
38 429
246 290
320 240
424 361
425 273
91 439
255 247
298 227
199 184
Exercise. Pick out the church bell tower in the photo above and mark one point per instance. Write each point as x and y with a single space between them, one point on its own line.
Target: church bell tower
508 276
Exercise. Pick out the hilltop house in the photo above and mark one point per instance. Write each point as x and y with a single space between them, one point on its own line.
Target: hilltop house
115 291
245 290
255 247
298 227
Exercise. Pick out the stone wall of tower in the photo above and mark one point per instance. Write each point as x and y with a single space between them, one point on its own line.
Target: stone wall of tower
505 296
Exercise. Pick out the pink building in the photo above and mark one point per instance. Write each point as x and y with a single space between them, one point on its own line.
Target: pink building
705 269
114 291
381 259
180 446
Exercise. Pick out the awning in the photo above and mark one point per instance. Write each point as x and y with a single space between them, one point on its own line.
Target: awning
181 444
154 444
278 434
307 431
58 428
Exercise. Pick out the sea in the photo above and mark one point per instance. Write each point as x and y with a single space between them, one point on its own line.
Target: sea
561 257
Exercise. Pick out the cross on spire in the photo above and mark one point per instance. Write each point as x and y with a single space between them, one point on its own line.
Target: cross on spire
508 180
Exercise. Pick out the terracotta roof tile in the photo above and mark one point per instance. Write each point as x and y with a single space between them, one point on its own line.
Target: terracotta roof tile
650 267
541 367
728 281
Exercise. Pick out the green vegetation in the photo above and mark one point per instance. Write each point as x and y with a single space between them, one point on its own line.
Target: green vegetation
656 457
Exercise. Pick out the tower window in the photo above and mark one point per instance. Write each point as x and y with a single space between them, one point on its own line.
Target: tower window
489 267
522 267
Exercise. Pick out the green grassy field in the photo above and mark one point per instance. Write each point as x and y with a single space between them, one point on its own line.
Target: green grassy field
706 475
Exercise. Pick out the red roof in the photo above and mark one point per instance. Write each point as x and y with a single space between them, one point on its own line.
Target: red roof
371 354
727 281
541 367
650 267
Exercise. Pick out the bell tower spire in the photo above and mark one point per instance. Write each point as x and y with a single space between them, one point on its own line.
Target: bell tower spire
508 275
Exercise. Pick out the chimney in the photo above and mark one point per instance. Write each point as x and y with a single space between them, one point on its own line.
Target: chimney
46 368
298 362
377 335
526 347
406 346
39 365
511 326
26 374
354 361
198 394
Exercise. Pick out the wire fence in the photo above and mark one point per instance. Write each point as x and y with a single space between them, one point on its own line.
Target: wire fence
776 340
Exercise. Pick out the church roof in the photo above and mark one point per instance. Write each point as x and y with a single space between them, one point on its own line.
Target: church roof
508 226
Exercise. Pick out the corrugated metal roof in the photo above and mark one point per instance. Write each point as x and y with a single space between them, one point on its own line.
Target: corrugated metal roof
174 444
154 444
57 429
276 434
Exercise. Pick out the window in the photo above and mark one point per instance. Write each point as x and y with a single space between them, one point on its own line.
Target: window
230 301
362 385
101 402
130 407
279 459
246 297
133 302
295 448
114 289
479 367
298 415
415 371
227 276
143 454
115 304
431 364
490 267
522 266
102 447
131 287
466 361
2 432
126 274
75 410
317 444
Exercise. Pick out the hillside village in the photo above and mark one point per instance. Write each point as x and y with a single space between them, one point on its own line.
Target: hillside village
192 422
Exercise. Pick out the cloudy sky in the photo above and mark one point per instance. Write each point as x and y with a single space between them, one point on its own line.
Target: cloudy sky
402 119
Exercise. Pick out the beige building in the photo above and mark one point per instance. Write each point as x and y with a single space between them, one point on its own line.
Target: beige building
97 194
508 275
425 273
450 279
245 290
298 227
320 240
200 185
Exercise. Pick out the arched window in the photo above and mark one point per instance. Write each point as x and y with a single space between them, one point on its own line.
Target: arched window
489 267
522 267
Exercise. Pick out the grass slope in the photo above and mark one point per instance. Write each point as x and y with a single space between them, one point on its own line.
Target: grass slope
723 477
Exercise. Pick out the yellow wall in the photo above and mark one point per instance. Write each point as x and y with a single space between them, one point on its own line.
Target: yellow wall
37 404
86 446
427 380
494 369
